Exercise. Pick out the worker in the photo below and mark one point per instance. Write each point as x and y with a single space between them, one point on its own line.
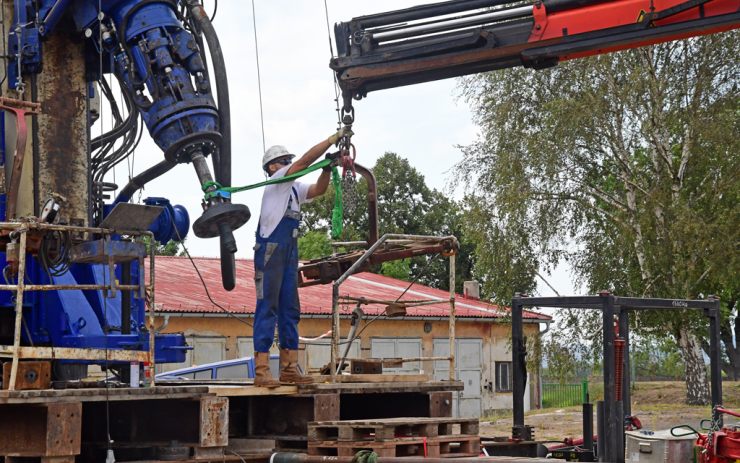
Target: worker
276 259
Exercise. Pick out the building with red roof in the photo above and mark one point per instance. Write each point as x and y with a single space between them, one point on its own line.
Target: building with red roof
217 324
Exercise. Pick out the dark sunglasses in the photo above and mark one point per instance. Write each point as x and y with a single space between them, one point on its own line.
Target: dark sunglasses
283 161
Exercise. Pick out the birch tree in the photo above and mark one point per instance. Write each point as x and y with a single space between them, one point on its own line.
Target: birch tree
627 165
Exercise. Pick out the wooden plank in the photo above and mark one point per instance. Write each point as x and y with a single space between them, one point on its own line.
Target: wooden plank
70 353
326 407
373 378
392 428
50 430
440 404
100 394
251 391
389 387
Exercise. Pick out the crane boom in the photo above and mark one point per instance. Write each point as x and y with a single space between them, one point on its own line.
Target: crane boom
459 37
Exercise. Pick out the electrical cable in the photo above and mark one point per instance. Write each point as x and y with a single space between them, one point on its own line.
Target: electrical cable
215 9
56 262
203 281
259 80
334 75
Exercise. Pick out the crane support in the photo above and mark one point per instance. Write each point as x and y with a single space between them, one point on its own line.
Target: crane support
459 37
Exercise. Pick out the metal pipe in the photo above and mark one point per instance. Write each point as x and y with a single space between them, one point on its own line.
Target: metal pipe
715 364
67 287
451 328
478 20
624 332
600 430
355 266
18 310
608 439
286 457
588 426
152 307
426 11
517 346
126 298
372 202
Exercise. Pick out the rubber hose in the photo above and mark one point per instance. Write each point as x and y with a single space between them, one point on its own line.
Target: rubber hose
138 182
223 171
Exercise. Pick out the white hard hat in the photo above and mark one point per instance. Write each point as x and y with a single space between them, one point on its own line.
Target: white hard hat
274 152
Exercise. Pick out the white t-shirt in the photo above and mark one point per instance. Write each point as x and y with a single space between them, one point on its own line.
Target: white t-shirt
275 201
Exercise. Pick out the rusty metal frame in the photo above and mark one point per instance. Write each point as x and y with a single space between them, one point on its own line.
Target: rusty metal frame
17 352
358 265
20 109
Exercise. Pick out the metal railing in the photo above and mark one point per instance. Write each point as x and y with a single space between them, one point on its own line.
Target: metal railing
564 394
335 339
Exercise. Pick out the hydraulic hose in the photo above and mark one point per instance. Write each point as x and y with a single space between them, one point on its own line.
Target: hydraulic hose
222 167
138 182
222 171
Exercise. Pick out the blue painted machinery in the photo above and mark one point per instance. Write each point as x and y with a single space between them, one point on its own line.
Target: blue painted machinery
156 50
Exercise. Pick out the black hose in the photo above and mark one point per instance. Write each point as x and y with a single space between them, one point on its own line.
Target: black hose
223 170
138 182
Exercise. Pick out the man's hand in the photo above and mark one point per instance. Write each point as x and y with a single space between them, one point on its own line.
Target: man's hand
334 157
341 133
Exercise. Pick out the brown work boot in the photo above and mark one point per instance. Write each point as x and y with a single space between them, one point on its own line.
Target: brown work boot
289 372
262 374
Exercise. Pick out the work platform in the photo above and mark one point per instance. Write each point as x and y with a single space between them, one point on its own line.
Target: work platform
202 422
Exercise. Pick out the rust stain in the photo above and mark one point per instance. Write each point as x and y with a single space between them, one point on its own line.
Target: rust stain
62 133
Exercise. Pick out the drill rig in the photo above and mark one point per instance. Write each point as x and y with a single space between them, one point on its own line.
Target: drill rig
68 242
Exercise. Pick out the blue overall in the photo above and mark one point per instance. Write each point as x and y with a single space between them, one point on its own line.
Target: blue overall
276 281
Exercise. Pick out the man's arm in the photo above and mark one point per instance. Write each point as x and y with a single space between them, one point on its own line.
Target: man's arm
316 151
319 188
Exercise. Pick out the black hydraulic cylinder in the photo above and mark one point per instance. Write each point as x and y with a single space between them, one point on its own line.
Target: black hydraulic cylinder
126 298
600 429
425 12
553 6
588 426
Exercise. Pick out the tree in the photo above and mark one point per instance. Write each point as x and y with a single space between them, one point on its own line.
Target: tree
405 205
171 248
626 165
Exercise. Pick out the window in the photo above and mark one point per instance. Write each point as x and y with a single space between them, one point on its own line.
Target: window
503 377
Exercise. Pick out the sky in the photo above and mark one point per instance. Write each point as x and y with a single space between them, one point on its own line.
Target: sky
423 123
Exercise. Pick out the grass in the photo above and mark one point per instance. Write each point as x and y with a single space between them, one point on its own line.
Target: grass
659 405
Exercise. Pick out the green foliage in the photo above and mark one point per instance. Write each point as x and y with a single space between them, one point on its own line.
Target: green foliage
626 165
171 248
405 205
313 245
400 269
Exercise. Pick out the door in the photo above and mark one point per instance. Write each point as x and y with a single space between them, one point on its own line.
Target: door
319 353
468 369
397 348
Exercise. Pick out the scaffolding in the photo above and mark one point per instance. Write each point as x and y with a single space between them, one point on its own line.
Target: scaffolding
104 250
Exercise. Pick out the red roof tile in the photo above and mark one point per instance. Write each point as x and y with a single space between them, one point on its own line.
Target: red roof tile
179 289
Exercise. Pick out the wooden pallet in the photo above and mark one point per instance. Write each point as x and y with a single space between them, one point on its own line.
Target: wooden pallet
391 428
444 447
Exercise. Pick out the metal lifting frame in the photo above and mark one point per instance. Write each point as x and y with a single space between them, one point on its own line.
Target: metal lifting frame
357 265
17 352
611 441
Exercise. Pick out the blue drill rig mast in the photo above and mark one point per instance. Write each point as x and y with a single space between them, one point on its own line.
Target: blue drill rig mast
156 50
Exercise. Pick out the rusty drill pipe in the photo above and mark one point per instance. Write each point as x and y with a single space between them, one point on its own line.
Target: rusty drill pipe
286 457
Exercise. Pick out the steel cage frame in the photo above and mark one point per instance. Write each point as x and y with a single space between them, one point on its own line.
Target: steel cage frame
612 445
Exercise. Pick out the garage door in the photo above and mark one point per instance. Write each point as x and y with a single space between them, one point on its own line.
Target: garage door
395 348
319 353
206 349
468 367
245 347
